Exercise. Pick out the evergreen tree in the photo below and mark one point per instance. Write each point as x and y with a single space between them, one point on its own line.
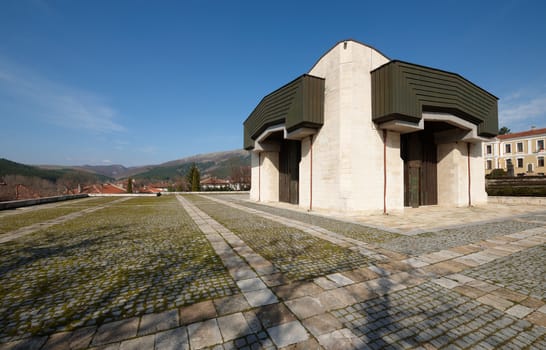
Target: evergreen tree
504 130
194 178
129 185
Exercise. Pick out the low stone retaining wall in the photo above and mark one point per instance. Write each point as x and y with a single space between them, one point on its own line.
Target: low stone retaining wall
519 186
208 192
124 194
35 201
517 200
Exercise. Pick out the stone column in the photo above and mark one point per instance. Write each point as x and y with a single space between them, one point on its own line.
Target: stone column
269 174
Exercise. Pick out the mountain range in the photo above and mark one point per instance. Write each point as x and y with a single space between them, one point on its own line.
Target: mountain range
218 164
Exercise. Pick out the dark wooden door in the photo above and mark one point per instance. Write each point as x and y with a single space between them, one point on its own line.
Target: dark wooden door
289 171
429 171
419 153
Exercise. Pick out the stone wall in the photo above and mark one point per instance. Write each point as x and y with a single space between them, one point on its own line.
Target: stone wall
35 201
516 186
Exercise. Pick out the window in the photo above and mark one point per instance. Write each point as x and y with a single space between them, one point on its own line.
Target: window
520 162
509 163
519 147
489 165
488 149
540 145
508 148
541 161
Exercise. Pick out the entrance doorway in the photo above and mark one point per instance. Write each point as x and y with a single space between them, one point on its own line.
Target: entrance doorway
289 171
419 152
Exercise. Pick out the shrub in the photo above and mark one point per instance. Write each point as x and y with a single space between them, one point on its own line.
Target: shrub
496 173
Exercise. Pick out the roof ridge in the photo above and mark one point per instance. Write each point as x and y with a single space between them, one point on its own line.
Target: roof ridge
522 133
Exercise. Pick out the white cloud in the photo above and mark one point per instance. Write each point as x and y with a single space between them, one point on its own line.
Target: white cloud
55 103
520 111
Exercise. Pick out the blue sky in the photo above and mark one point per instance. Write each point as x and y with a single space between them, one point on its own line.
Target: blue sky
144 82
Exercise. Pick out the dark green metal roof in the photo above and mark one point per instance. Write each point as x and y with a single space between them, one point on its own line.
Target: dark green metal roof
299 103
402 91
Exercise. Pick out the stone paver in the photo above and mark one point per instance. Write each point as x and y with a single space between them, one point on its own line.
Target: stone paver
173 339
297 289
32 343
340 280
251 284
336 298
233 326
432 314
260 297
445 282
197 312
514 272
321 324
58 341
341 339
145 342
78 339
496 302
231 304
153 323
204 334
538 318
325 283
273 315
519 311
288 333
116 331
305 307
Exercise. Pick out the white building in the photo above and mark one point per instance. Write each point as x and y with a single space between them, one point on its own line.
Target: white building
363 133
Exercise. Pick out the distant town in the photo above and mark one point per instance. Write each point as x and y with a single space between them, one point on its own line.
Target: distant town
221 171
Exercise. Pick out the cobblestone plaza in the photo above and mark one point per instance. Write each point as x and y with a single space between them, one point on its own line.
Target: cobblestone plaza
220 272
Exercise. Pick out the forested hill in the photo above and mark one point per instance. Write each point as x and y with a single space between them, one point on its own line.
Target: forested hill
219 164
8 167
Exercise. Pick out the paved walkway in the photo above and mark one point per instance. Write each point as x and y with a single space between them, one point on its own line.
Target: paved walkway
418 220
430 218
487 293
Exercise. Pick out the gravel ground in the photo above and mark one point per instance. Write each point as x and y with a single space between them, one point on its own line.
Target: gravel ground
140 256
297 254
444 239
